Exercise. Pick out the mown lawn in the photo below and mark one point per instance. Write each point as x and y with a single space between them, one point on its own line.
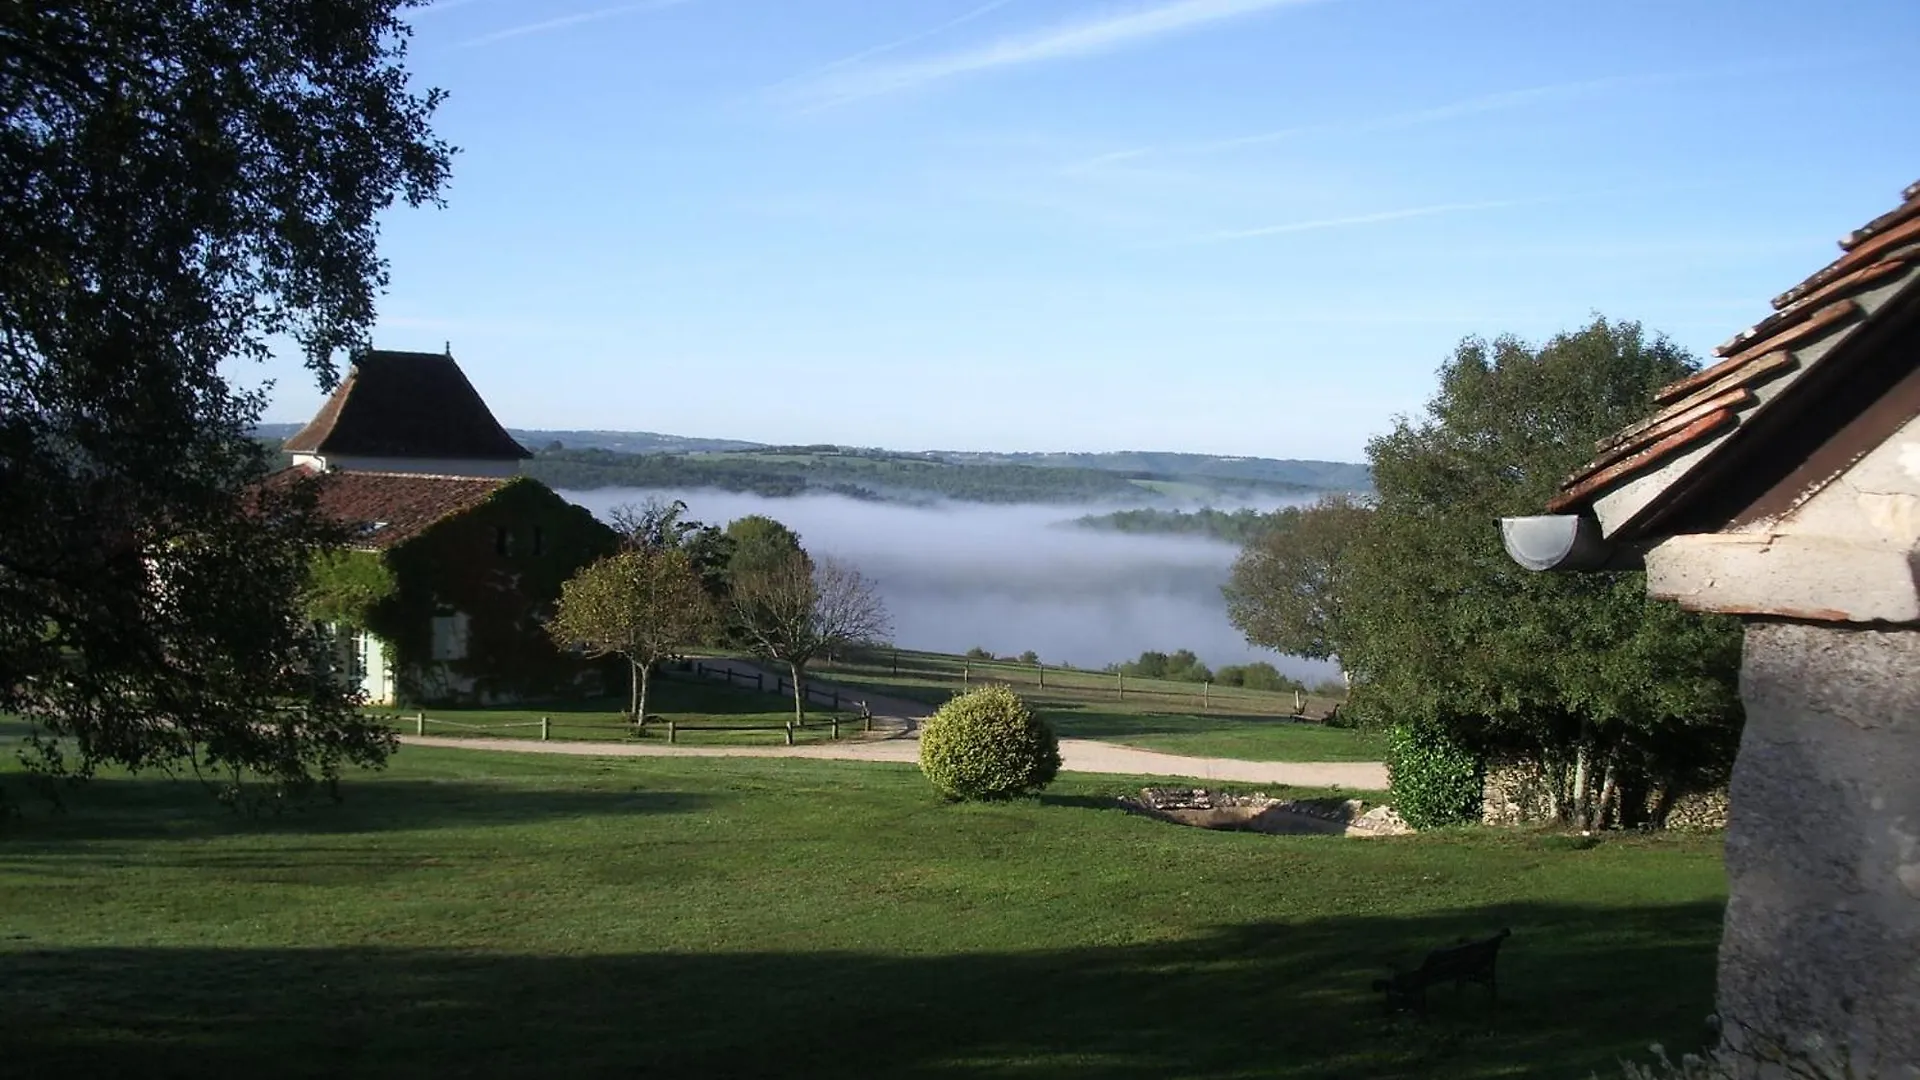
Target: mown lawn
490 915
1243 737
724 715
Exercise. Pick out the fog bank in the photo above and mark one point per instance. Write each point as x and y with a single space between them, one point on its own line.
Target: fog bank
1010 578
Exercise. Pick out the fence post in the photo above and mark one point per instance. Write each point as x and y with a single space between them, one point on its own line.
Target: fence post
836 724
866 719
1043 675
1206 689
419 723
1299 704
966 673
1120 681
757 684
546 728
896 661
789 733
673 735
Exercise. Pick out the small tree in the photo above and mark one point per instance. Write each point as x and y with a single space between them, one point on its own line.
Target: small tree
795 608
988 745
645 605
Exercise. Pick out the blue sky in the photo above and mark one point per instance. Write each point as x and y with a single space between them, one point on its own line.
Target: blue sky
1228 226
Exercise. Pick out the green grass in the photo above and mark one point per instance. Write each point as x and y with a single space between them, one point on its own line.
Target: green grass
496 916
758 717
1153 714
1245 738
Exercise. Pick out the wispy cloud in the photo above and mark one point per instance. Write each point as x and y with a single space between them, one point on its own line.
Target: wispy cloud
1368 219
1072 41
437 7
564 21
897 43
1503 101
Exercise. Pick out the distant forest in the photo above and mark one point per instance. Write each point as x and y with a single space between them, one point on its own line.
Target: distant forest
877 475
581 460
1233 526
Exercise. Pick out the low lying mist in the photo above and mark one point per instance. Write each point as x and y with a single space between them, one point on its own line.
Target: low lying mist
1010 578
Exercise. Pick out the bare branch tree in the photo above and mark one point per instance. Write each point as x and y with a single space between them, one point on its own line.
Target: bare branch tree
795 608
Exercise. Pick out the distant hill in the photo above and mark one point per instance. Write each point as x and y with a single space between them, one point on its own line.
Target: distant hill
1318 475
645 459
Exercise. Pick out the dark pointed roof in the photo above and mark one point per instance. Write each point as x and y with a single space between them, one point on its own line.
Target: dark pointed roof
1782 390
406 405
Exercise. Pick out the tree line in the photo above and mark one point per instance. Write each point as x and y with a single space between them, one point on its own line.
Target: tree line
1234 526
1619 702
676 584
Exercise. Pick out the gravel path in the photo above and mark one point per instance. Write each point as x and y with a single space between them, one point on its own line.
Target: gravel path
1076 755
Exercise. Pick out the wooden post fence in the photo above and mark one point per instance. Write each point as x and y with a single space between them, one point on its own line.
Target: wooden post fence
420 723
789 733
546 728
1120 680
673 734
1206 689
1043 675
966 673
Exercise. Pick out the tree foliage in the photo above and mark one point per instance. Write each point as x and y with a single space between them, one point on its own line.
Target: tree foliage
1444 628
182 183
1284 592
1442 631
987 745
644 604
795 608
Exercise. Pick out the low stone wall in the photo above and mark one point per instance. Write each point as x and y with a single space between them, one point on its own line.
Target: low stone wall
1522 792
1699 810
1518 792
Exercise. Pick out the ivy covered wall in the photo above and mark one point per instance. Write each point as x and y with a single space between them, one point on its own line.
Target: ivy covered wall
501 564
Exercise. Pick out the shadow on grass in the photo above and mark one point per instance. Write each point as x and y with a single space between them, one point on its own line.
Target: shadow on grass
1581 988
121 808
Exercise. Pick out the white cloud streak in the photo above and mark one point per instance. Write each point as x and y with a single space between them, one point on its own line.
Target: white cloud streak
897 43
1503 101
438 7
1370 219
1072 41
565 21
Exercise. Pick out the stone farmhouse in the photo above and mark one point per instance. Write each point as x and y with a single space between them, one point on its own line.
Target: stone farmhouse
454 559
1782 485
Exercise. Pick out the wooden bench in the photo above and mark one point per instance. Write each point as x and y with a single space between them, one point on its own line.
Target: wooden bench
1469 961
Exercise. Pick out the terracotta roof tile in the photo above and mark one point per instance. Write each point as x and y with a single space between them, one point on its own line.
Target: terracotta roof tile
383 510
1707 404
406 405
1577 493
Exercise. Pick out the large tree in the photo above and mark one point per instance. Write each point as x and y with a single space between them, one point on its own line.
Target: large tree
1285 589
184 182
795 608
644 604
1439 627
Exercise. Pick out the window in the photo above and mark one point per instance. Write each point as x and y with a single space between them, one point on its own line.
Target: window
503 541
450 636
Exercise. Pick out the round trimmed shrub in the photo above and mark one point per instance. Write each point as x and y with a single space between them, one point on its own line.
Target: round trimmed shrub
987 745
1435 780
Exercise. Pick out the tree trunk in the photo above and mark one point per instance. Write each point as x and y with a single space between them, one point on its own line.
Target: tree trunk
645 672
1583 776
799 693
633 693
1609 792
